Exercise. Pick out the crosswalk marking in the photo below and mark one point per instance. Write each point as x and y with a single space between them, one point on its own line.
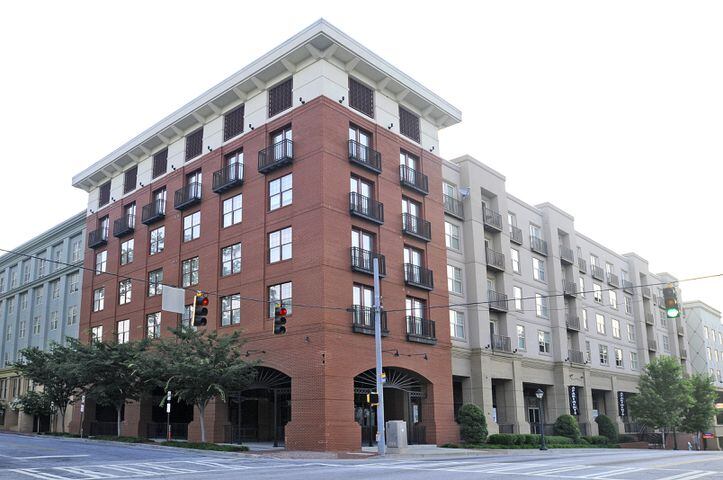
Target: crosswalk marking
688 475
35 473
613 472
555 471
88 474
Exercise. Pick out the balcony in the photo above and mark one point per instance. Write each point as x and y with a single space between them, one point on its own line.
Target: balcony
566 255
646 292
538 245
501 343
187 196
581 265
153 212
363 261
98 237
497 301
575 356
276 156
492 220
413 179
416 227
516 235
495 260
228 177
365 156
652 345
569 289
418 276
627 286
366 208
421 330
649 318
597 272
572 322
453 206
124 225
613 280
363 320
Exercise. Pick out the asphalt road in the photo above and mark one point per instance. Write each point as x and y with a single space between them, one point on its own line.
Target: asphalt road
27 457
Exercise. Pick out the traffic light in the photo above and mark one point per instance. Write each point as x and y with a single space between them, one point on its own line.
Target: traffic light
671 302
200 310
279 320
373 398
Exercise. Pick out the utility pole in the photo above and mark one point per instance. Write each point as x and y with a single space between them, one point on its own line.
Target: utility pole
381 440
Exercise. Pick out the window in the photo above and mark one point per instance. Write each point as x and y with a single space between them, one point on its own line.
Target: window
11 306
104 194
155 282
38 295
362 296
126 252
98 299
543 340
13 277
597 293
609 269
231 310
535 232
584 319
613 297
26 273
634 360
158 238
21 329
73 282
511 220
521 338
594 260
628 305
42 267
153 325
186 317
280 97
194 144
410 161
190 270
361 98
408 124
130 178
616 327
233 123
456 323
415 308
160 163
600 323
58 257
101 260
451 236
231 260
191 226
24 301
96 333
631 332
603 350
55 288
666 345
619 357
53 320
9 333
123 329
280 293
280 192
232 210
541 308
124 291
280 245
36 326
538 269
707 350
515 256
588 352
454 279
517 295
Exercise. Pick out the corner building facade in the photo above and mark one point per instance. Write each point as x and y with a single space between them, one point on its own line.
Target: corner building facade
280 185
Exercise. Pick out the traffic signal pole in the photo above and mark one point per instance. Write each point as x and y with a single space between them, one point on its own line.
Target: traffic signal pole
381 440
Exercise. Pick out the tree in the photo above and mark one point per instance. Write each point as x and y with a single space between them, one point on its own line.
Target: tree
566 425
663 396
472 423
35 404
699 415
198 366
607 428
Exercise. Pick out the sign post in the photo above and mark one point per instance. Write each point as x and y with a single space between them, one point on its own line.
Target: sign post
168 416
381 440
82 414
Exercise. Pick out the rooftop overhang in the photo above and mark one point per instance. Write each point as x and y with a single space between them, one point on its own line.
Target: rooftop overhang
321 40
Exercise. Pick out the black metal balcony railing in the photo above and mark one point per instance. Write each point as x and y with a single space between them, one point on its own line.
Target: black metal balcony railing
649 318
187 196
363 320
228 177
495 259
576 356
501 343
582 265
413 179
416 227
597 272
366 208
492 219
613 280
363 261
276 156
153 212
365 156
652 345
646 292
421 330
538 245
124 225
98 237
569 288
572 322
453 206
418 276
516 235
627 286
566 255
498 301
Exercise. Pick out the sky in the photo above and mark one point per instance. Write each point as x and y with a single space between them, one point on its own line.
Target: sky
611 110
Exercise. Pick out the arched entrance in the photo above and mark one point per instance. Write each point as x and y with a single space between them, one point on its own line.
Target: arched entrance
404 392
265 409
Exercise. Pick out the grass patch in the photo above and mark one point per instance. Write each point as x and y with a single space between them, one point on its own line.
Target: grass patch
60 434
207 446
122 439
490 446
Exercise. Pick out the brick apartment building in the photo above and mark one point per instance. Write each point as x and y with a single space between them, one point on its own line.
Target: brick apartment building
281 184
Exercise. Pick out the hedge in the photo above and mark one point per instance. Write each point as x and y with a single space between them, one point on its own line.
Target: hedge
607 428
566 426
472 423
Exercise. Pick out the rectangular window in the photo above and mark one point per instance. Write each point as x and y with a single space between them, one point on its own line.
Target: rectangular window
126 252
231 260
408 124
600 323
280 192
124 291
123 329
451 236
153 325
280 293
194 144
76 250
280 245
517 295
72 315
454 279
21 329
24 301
597 293
54 320
619 357
42 267
13 277
26 273
232 210
613 298
186 317
521 338
96 333
280 97
634 360
191 226
190 269
98 299
541 306
233 123
538 269
543 340
104 194
581 288
631 332
515 256
666 345
158 239
160 163
130 178
38 295
231 310
456 324
616 327
36 326
628 305
361 98
155 282
11 306
55 288
603 350
101 259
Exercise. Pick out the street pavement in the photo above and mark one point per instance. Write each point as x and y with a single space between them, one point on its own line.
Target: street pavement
26 457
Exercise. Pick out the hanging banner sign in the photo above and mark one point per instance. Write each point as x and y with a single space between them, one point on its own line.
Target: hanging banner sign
572 394
622 405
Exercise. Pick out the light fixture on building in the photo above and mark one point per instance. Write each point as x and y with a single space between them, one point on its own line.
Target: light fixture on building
341 100
391 125
302 100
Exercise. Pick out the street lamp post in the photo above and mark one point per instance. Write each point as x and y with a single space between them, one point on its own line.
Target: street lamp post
539 394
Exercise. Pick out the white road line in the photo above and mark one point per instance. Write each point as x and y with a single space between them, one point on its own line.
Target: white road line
225 466
510 467
33 472
128 469
49 456
89 474
618 471
555 471
163 468
688 475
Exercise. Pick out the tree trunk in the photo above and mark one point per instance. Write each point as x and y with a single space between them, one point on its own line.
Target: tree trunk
202 411
62 419
118 419
663 432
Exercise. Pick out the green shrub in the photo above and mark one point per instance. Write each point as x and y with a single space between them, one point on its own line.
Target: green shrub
472 424
114 438
596 440
626 438
607 428
566 426
501 439
207 446
532 439
558 440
